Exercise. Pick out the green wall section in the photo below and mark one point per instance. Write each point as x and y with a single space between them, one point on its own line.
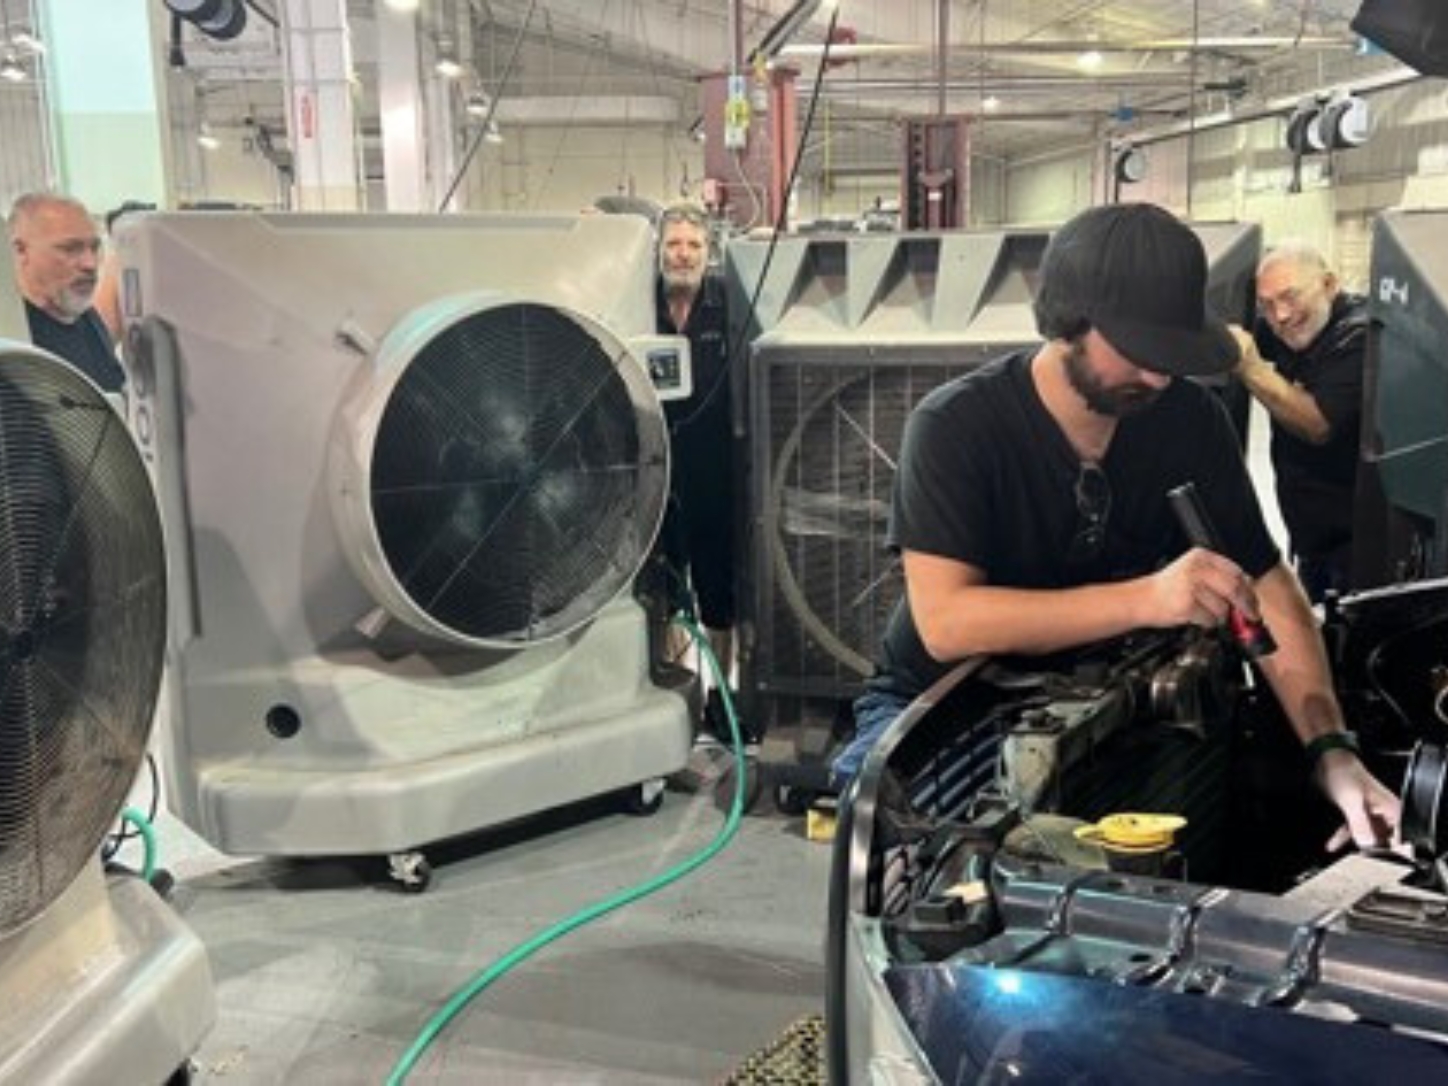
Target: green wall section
102 89
105 158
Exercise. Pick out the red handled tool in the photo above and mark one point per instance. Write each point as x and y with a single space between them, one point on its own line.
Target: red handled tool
1251 634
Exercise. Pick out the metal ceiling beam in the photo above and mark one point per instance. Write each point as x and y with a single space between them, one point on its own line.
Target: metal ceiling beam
1397 77
1007 48
1010 84
589 110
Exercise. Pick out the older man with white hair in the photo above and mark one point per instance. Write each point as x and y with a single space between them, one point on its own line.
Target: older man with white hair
57 248
1304 363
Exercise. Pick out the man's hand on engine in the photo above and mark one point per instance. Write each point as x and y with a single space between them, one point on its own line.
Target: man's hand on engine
1371 811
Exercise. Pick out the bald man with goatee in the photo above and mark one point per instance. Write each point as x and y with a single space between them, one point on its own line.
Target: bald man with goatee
57 249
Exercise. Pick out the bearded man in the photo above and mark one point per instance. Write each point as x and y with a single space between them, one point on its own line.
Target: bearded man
57 252
1031 513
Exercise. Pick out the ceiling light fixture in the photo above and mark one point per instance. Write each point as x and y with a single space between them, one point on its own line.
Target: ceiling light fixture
1090 60
404 6
447 64
11 70
207 141
477 104
991 104
491 133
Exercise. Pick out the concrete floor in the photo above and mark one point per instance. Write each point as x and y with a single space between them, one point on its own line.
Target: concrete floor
325 972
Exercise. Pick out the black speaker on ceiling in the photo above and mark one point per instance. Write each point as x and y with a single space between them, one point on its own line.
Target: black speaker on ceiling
219 19
1414 31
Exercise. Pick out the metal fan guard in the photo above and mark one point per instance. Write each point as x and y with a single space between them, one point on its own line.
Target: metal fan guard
82 624
518 472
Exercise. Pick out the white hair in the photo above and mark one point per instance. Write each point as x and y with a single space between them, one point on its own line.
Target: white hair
1299 254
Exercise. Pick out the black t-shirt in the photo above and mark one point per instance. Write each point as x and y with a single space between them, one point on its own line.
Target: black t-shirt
987 477
85 344
1316 483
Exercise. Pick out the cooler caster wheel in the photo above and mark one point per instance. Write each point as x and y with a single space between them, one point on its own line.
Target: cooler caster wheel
410 870
644 799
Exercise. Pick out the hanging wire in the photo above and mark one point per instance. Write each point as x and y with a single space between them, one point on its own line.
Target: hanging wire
651 58
732 346
563 137
482 129
263 13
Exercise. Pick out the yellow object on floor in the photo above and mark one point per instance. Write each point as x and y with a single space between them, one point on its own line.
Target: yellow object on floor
819 825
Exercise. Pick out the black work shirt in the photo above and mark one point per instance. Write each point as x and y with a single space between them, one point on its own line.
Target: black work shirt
1316 483
85 344
987 477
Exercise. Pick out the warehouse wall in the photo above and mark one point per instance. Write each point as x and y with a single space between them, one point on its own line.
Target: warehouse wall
564 168
850 194
1050 188
235 172
545 168
1242 172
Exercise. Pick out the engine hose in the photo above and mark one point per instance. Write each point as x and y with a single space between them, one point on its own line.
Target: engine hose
521 953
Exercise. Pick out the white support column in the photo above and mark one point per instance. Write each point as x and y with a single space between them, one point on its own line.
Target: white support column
404 161
441 142
320 119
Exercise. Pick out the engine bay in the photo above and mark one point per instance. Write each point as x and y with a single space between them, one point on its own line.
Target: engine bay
962 856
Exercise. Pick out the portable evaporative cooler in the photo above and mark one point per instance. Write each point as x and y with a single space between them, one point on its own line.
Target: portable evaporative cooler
412 465
99 979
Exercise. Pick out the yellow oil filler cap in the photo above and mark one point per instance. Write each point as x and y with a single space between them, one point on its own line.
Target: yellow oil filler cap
1133 832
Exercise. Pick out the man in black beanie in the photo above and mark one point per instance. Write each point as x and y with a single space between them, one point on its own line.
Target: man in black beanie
1031 512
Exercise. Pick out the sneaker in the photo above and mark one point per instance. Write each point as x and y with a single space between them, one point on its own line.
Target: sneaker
716 721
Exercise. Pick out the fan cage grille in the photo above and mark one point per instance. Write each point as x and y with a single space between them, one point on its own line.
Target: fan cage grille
825 583
82 625
518 475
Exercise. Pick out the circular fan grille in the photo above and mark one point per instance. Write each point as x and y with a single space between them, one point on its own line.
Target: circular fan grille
82 625
515 482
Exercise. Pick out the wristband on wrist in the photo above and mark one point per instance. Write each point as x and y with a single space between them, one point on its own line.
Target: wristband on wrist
1321 744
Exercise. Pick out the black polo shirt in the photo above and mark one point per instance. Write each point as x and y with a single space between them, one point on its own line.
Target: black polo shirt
1316 483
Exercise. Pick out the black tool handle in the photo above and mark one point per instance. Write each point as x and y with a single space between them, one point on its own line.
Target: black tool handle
1191 514
1251 634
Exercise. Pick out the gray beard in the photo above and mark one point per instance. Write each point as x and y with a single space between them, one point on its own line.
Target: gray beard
72 305
681 286
1308 334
